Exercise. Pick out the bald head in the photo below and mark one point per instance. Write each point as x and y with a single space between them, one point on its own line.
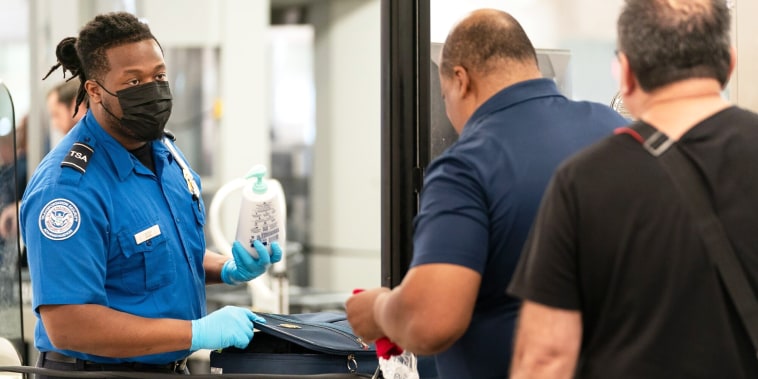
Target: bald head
485 41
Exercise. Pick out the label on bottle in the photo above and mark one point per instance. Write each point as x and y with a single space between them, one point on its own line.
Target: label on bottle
263 224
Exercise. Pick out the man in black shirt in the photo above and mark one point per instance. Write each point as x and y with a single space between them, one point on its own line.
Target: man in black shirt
615 278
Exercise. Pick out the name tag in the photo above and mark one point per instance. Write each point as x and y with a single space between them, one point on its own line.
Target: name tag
147 234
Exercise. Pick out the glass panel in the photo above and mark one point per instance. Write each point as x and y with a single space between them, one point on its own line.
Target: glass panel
574 48
586 28
11 189
293 120
193 74
553 63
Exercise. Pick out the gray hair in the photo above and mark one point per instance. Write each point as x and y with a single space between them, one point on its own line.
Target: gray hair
671 40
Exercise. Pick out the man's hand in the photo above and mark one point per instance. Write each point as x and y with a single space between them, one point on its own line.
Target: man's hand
360 313
228 326
244 267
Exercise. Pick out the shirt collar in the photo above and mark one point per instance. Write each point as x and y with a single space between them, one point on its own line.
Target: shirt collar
121 159
514 94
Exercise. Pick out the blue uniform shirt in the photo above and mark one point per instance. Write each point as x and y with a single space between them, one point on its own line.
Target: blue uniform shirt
113 233
480 198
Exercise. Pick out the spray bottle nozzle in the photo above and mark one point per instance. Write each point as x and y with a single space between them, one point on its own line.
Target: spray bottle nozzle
258 172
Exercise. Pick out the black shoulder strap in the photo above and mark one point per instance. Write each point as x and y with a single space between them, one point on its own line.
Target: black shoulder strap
688 182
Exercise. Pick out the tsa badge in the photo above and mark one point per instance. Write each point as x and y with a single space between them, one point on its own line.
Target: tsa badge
59 219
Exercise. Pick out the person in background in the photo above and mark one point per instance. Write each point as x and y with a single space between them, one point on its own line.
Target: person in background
12 185
113 222
63 115
616 279
62 108
479 200
13 178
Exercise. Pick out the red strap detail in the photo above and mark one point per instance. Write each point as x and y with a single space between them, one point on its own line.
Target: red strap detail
631 132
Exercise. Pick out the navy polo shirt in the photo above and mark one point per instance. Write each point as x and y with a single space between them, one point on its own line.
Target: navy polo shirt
101 228
480 198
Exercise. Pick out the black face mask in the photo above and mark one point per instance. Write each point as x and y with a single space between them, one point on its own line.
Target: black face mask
146 109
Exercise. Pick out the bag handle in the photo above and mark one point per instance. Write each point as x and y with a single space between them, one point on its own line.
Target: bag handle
687 180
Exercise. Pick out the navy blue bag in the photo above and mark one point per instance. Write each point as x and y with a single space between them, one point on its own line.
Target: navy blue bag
300 344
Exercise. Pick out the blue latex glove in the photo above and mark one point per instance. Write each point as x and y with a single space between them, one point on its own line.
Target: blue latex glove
228 326
244 267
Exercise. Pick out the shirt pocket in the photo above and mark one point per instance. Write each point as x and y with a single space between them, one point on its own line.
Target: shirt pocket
199 209
148 264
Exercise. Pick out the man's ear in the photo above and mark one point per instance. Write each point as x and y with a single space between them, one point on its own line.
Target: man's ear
627 81
461 81
732 60
93 90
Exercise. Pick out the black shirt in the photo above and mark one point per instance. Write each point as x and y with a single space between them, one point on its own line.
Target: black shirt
614 240
144 154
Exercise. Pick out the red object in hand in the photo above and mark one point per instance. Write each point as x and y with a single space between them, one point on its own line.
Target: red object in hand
384 347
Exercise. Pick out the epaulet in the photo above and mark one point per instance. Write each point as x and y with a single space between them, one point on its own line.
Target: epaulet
78 157
169 135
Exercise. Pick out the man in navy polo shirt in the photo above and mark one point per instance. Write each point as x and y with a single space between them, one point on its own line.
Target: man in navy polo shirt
479 200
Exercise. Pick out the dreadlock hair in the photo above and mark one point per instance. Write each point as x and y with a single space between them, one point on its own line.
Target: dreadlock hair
85 58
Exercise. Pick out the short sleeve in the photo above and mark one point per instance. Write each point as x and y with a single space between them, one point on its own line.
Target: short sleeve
65 232
547 270
452 224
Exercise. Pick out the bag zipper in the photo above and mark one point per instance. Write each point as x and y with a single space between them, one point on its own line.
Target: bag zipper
357 340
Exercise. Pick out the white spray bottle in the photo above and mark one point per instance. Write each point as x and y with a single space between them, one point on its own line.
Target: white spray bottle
263 217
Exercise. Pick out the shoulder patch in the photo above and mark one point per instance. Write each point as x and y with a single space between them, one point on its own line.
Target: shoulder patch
59 219
78 157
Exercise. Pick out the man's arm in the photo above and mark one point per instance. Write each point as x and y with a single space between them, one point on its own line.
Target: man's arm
426 314
547 342
213 263
99 330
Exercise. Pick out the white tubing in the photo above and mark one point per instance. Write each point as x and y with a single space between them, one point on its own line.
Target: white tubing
214 217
